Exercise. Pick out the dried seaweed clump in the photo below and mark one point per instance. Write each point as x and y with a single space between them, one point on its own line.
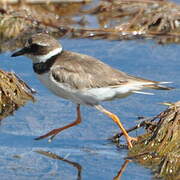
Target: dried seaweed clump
13 93
116 19
159 149
127 19
22 16
11 24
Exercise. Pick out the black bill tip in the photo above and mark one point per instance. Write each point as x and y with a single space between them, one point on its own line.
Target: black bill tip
14 54
20 52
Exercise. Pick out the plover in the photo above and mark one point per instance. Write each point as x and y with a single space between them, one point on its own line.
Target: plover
80 78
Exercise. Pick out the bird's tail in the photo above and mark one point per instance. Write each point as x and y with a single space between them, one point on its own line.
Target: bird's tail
158 86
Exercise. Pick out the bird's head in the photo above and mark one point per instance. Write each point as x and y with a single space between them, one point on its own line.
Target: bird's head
40 47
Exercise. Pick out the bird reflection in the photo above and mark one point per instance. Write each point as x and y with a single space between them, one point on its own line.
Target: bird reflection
78 166
122 169
54 156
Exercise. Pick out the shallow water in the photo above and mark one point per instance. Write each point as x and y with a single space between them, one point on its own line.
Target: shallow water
86 144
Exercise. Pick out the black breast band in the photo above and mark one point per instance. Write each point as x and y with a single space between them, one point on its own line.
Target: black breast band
44 67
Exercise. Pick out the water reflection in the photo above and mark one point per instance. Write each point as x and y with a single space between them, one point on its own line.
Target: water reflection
78 166
122 169
64 159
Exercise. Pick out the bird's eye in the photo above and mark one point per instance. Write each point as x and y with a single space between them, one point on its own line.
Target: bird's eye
30 41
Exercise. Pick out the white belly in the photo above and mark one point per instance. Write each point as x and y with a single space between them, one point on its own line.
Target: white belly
86 96
64 91
46 79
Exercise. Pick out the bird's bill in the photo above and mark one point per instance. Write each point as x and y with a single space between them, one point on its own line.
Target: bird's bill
20 52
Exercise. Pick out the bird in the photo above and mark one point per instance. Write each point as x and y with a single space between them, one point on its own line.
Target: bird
81 79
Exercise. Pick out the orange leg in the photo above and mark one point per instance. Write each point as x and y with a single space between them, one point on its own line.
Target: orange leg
54 132
129 139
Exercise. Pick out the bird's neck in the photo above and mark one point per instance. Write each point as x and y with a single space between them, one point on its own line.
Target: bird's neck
44 67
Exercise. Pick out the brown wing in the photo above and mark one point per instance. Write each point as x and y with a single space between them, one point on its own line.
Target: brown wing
82 71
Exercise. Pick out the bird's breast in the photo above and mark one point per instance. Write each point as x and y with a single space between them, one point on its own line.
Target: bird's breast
57 89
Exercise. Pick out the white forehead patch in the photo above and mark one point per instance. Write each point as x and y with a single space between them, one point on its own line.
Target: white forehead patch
42 44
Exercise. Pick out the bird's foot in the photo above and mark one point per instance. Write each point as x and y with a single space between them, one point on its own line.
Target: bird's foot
129 140
51 138
52 134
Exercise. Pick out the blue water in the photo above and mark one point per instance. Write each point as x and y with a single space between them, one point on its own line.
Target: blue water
85 144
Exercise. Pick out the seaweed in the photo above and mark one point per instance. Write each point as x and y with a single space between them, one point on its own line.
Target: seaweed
117 20
13 93
158 148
